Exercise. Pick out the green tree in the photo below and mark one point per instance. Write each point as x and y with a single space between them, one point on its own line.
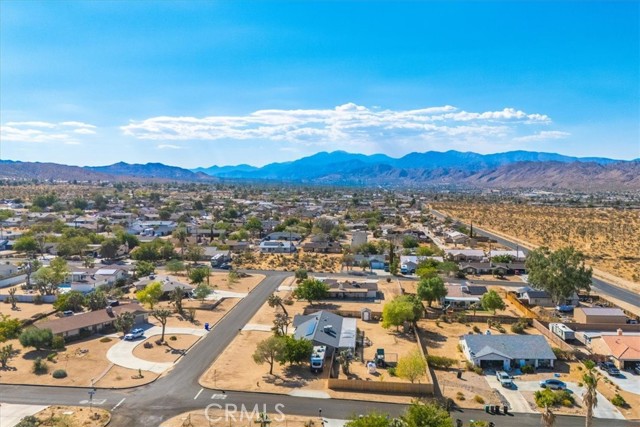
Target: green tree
425 251
491 301
31 266
269 351
296 351
448 267
233 278
37 338
199 275
426 272
9 327
150 294
109 248
432 289
181 235
175 266
409 242
27 244
195 253
253 225
275 300
399 310
96 300
311 290
162 315
144 268
560 273
373 419
72 245
301 274
176 296
412 366
6 353
73 300
47 279
590 395
281 324
201 291
425 414
124 322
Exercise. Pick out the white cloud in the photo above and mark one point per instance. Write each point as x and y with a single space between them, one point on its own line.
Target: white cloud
544 135
41 132
168 146
348 124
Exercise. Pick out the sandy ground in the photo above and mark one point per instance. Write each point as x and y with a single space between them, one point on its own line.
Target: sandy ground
81 367
119 377
204 313
25 310
200 419
312 262
607 236
73 416
165 353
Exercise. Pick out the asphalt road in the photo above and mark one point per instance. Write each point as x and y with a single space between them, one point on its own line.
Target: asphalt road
179 391
598 285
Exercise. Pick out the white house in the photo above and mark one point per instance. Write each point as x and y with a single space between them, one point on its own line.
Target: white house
277 247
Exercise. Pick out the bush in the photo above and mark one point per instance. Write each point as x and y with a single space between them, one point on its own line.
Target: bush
57 342
51 357
440 361
59 373
460 396
527 369
173 338
28 421
562 354
38 300
476 330
392 371
554 398
618 400
105 339
517 328
478 370
478 399
40 366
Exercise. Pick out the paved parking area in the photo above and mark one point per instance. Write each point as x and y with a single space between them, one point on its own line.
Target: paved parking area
517 402
627 381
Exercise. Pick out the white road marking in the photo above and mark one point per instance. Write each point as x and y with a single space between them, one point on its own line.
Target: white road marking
201 390
95 401
219 396
119 403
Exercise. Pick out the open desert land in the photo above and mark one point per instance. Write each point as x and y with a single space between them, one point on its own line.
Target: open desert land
73 416
608 237
312 262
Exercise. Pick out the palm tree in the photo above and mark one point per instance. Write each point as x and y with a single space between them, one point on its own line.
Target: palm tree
590 395
548 417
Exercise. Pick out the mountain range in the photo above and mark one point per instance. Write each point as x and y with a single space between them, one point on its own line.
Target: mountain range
514 169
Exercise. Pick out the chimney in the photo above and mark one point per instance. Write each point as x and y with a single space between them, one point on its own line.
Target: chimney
619 332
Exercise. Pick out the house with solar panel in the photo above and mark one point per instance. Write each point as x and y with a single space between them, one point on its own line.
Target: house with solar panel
324 328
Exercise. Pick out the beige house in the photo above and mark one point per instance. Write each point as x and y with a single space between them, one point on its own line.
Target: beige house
607 315
623 349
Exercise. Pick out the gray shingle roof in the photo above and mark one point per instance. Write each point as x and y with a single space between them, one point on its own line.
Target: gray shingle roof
326 328
512 346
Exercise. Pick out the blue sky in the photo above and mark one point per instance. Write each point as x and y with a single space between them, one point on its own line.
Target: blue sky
199 83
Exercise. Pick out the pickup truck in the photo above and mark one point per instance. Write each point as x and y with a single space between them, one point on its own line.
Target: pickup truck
505 379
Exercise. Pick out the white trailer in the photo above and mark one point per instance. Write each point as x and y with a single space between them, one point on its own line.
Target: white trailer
563 331
317 358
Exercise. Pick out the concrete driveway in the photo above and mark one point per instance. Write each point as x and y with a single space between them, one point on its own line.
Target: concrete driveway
11 414
217 295
627 381
605 409
517 402
121 353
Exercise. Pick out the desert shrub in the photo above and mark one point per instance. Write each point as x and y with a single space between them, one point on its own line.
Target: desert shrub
478 370
476 330
517 328
478 399
469 366
554 398
460 396
459 347
28 421
105 339
59 373
38 300
562 354
392 371
51 357
440 361
461 318
57 342
40 366
478 423
501 329
618 400
527 369
173 338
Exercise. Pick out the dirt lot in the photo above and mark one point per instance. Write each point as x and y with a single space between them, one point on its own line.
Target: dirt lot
204 313
73 416
165 353
328 263
25 310
607 236
81 367
119 377
199 419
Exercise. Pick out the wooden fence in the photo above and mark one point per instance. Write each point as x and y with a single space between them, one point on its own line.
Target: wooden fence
526 311
385 387
556 340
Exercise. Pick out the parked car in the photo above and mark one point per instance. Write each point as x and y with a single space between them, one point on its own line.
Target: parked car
610 368
68 313
553 384
505 379
636 368
135 333
225 266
